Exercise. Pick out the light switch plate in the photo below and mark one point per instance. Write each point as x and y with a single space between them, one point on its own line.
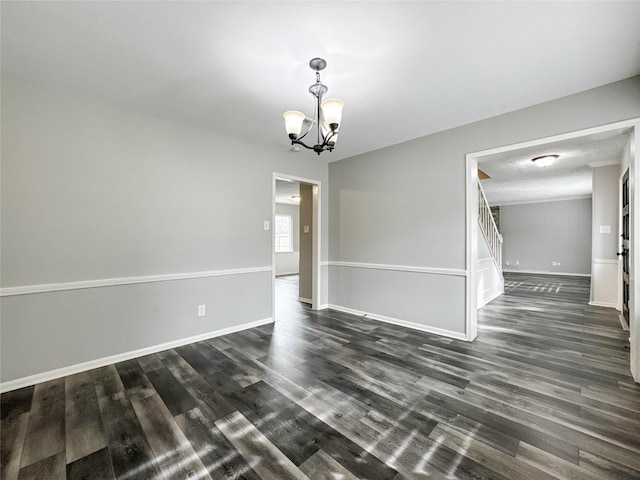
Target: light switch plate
266 224
306 229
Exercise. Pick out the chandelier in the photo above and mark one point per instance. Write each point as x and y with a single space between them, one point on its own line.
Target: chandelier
326 116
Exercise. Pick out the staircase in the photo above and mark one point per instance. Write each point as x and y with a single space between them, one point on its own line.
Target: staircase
490 278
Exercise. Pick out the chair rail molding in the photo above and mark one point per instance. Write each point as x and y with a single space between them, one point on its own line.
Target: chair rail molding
400 268
112 282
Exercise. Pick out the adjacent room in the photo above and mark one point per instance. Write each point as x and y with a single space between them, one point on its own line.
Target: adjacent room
199 279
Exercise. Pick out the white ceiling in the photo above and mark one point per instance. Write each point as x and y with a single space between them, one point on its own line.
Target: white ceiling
516 179
404 69
285 190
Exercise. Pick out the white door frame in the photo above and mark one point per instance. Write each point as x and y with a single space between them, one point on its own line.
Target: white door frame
634 186
316 279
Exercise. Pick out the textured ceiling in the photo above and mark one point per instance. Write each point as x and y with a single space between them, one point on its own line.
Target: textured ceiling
404 69
285 189
516 179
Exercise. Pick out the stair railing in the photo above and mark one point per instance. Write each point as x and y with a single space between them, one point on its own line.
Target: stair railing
489 228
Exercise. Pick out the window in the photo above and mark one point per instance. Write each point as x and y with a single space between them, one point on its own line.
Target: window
284 240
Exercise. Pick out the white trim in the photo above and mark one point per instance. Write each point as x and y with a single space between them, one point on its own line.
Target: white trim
546 272
471 252
604 304
623 322
557 138
402 323
324 306
316 279
605 163
606 261
546 200
112 282
324 263
401 268
101 362
305 300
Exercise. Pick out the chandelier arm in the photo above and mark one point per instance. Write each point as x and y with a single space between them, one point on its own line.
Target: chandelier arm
313 121
298 142
305 134
327 139
318 148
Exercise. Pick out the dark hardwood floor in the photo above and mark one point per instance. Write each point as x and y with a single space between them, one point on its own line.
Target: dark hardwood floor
544 392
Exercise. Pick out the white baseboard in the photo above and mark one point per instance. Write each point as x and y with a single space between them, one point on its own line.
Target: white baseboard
101 362
542 272
492 297
604 304
402 323
323 306
305 300
623 322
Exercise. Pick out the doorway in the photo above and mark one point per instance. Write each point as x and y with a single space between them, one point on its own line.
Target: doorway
629 127
296 244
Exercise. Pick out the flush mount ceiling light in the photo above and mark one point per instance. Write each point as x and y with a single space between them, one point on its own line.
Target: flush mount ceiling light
545 160
327 116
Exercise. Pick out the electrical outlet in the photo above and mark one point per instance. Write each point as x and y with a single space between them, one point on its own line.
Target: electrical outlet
557 264
553 263
507 262
202 310
517 262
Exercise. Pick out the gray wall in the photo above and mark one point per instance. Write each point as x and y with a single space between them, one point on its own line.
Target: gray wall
606 205
537 234
287 262
405 205
91 191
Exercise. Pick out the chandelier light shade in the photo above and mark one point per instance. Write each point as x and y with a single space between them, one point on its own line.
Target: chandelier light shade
293 122
327 116
332 111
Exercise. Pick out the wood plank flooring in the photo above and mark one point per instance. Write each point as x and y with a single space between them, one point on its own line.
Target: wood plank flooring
543 392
